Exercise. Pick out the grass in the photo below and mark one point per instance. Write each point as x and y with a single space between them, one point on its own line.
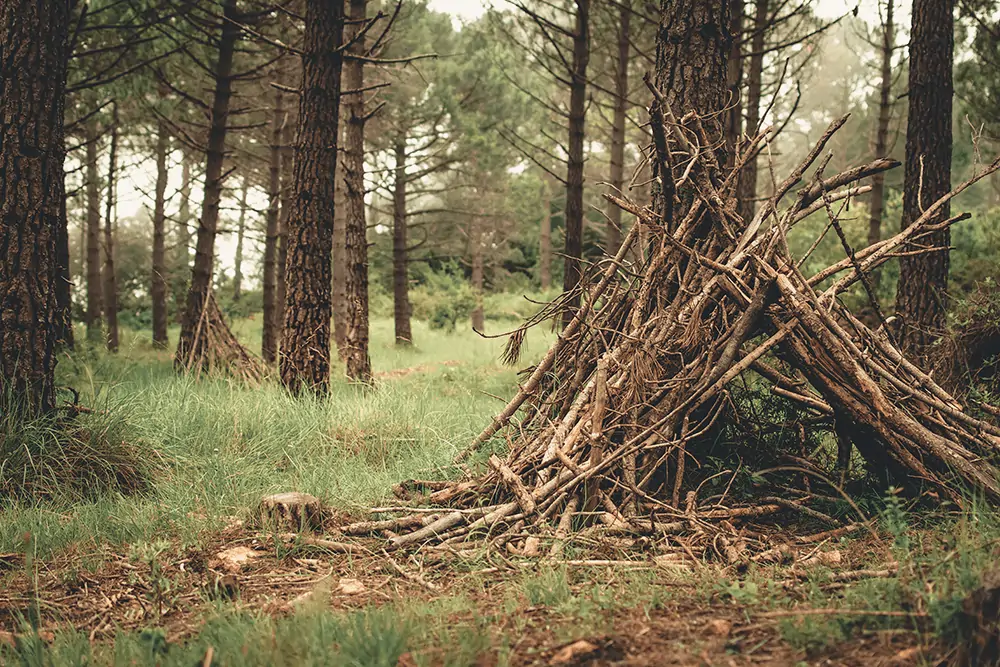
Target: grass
214 448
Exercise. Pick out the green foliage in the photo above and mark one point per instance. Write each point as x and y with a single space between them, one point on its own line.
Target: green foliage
444 298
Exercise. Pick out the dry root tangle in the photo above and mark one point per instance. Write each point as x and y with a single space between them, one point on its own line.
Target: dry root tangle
604 443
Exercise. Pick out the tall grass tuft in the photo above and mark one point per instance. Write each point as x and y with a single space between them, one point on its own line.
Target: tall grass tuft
68 457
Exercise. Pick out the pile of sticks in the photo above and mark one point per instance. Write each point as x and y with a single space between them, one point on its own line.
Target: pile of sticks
216 350
603 431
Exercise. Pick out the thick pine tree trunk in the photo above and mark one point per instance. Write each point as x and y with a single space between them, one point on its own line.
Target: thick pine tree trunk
359 367
882 134
33 57
617 176
95 297
692 54
545 238
108 274
196 309
575 159
400 260
269 341
158 285
747 189
241 228
922 294
305 342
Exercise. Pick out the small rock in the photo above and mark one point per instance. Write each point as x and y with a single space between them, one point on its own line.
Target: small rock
350 587
574 651
719 627
231 560
531 546
908 656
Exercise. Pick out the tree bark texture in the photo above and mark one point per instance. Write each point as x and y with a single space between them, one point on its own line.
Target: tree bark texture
921 296
305 343
339 252
617 175
158 284
400 259
574 213
734 80
287 175
196 305
747 189
241 229
33 58
692 53
882 134
95 297
269 340
110 279
359 366
545 238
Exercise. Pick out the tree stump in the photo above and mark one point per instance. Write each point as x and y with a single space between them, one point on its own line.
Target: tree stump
291 511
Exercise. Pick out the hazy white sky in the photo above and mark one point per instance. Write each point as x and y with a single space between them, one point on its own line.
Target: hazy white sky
471 9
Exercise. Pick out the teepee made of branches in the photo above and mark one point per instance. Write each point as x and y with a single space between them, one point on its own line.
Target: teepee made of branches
602 429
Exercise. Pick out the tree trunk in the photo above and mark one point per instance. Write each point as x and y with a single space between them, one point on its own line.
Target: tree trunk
339 252
692 53
64 281
359 367
95 298
241 227
882 135
617 176
287 166
269 340
922 294
33 57
184 216
196 306
734 80
478 278
545 238
110 279
575 158
305 343
747 189
400 261
158 286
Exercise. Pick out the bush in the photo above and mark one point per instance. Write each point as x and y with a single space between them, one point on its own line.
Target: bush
443 299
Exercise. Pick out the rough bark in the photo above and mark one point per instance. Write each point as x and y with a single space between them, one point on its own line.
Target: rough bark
400 260
692 53
545 238
747 189
184 216
158 284
196 306
882 133
921 296
617 176
734 80
241 228
95 298
575 158
305 343
269 340
359 367
33 57
110 279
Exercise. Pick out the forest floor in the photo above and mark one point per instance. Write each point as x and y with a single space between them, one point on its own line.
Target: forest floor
177 576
